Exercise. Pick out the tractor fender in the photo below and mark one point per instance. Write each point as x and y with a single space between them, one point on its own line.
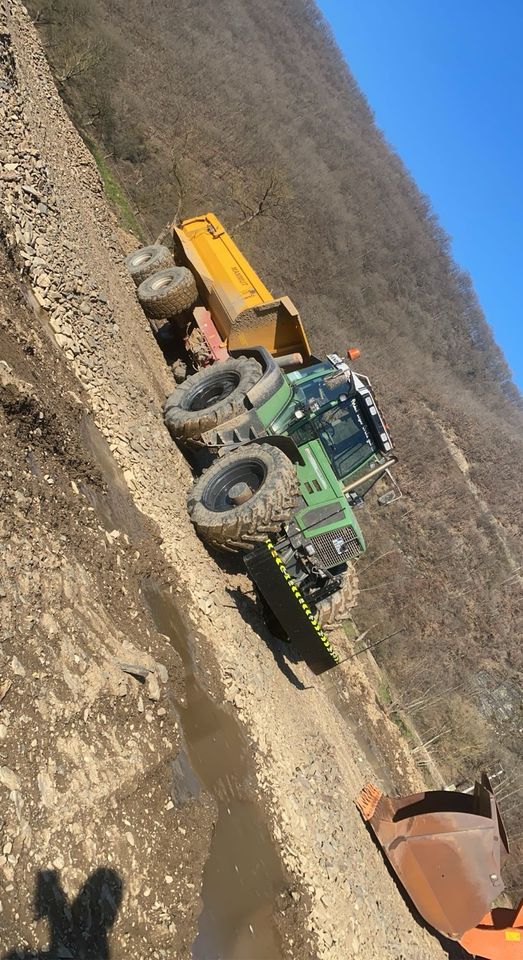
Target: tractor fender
285 444
247 427
271 379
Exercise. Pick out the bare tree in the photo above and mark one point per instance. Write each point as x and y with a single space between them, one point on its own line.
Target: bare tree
179 180
269 202
81 60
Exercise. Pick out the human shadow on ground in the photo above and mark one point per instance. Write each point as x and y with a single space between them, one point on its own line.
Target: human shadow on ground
80 929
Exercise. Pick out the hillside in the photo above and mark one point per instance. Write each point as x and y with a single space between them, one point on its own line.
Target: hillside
250 111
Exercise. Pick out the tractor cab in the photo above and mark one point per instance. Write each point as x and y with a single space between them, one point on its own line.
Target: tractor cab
335 406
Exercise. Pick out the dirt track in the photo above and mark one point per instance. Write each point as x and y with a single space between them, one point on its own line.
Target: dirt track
87 747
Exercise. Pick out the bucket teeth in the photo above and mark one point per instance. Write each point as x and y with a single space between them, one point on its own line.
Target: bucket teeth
367 800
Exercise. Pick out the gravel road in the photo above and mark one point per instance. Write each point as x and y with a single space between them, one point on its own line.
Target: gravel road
86 747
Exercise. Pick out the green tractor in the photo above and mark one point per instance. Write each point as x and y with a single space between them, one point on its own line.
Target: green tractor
296 452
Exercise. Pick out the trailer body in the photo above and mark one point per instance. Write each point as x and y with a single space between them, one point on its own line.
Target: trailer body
243 310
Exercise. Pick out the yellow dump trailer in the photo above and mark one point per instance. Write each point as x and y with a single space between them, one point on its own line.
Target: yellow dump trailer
242 308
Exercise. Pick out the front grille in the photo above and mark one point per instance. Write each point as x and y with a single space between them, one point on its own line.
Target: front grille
336 547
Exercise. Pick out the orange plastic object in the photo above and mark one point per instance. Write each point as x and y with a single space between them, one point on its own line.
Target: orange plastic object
499 936
353 353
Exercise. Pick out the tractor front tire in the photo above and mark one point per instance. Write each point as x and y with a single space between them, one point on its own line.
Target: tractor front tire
148 260
210 397
333 610
244 497
168 293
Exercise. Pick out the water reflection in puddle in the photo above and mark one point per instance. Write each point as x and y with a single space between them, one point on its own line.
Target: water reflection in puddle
243 874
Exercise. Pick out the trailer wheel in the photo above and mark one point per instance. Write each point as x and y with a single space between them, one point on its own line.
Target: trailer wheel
168 293
244 497
210 397
333 610
148 260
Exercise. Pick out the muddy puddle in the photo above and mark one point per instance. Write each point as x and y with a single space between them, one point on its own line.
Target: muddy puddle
243 876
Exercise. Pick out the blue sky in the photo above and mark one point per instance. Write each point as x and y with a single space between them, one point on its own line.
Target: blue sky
445 82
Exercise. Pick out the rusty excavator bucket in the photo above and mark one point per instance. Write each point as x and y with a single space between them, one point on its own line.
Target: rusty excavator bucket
447 849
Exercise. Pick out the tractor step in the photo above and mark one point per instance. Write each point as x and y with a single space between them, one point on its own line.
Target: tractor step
232 433
267 570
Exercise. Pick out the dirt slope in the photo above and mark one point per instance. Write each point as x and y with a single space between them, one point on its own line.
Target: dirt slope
98 752
84 745
271 132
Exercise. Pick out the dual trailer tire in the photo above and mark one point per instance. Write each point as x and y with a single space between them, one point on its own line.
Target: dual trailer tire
148 260
167 293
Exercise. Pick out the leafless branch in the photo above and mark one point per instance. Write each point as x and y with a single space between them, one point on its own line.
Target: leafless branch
268 204
80 60
178 179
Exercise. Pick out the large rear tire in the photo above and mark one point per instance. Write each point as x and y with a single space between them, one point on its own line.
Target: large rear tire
144 262
212 396
333 610
244 497
168 293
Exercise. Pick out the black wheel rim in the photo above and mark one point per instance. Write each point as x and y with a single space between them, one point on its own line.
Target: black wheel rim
250 471
211 391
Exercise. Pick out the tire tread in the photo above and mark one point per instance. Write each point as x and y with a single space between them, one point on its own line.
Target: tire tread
160 259
274 505
166 304
335 609
186 424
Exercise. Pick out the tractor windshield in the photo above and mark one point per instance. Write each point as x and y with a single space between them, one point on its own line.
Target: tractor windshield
345 437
